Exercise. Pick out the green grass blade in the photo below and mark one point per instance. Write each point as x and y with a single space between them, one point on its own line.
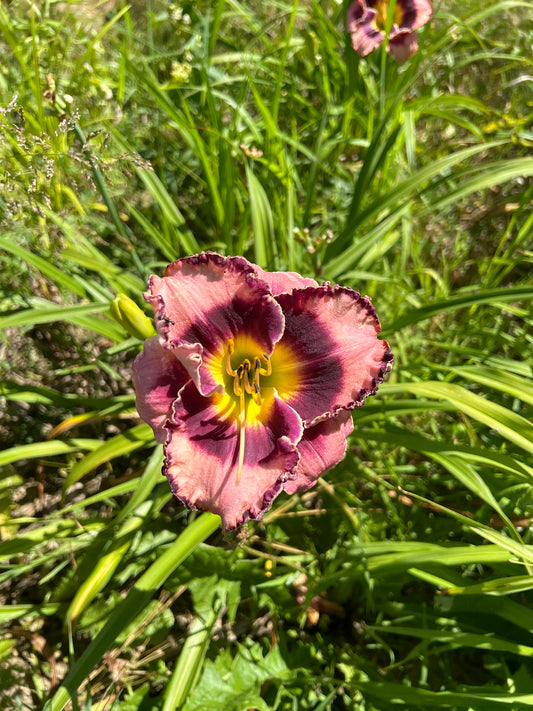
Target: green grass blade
493 296
405 696
52 448
117 446
262 224
60 276
498 379
459 639
48 312
510 425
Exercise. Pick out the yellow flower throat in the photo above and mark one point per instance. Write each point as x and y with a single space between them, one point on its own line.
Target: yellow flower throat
382 9
246 378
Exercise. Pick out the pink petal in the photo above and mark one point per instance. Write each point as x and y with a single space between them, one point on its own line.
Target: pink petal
336 359
365 35
415 13
321 447
403 45
280 282
202 452
204 301
158 376
355 12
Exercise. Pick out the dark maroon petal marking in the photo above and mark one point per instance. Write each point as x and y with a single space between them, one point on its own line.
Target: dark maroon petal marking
356 11
332 333
415 13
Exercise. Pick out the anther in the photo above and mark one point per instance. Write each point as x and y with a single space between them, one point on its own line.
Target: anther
268 370
246 381
229 353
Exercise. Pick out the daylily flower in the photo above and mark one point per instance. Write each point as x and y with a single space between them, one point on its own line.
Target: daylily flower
251 378
367 19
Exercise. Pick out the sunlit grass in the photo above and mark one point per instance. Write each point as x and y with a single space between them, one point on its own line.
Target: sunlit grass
133 135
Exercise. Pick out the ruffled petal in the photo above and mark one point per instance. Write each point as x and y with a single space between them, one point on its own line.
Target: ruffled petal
158 376
355 12
364 33
202 453
415 13
204 301
321 447
330 357
403 45
280 282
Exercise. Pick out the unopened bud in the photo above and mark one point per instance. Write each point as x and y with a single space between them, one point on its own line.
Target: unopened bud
131 317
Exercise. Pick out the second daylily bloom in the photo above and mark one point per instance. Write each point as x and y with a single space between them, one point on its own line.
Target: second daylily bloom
367 21
251 378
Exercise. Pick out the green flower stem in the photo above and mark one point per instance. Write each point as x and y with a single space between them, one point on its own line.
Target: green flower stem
132 605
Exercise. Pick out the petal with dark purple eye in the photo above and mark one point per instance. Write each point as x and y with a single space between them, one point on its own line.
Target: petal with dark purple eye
415 13
203 450
365 35
321 447
356 10
403 45
330 357
158 376
205 301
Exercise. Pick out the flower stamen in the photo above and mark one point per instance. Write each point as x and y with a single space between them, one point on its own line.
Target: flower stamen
268 370
229 353
246 381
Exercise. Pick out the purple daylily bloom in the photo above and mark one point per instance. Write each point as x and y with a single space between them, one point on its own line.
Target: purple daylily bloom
366 22
251 378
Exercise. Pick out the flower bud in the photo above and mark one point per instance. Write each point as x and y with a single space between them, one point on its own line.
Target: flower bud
131 317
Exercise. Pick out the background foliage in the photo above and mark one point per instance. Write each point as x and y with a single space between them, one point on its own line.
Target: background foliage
134 134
